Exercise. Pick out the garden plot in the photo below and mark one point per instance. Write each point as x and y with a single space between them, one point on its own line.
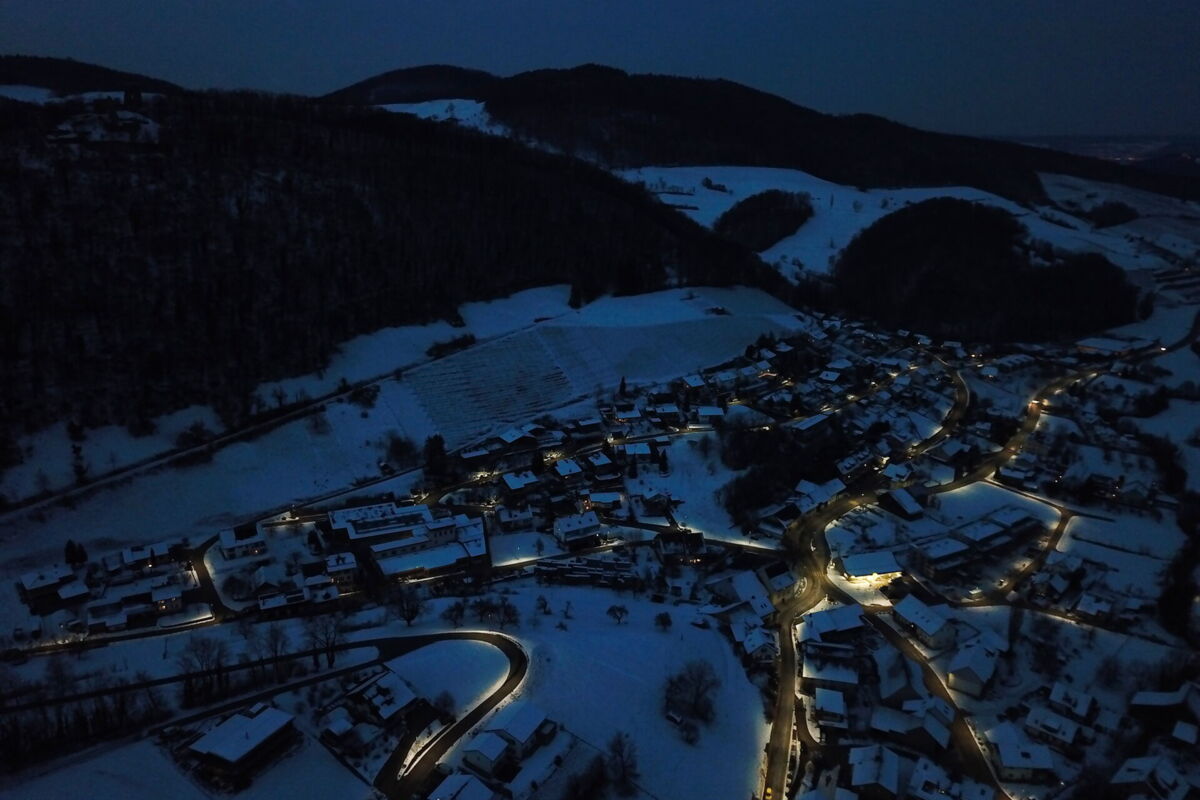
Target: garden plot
695 478
1141 535
497 384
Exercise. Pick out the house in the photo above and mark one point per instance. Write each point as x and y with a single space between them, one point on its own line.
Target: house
568 470
829 666
486 752
742 588
604 501
243 742
901 503
44 583
829 708
1077 705
342 569
233 546
937 556
880 565
384 699
1056 730
972 668
836 624
874 772
1016 758
578 530
437 547
929 623
899 676
167 599
460 786
1150 777
679 546
378 522
514 519
519 482
813 497
524 726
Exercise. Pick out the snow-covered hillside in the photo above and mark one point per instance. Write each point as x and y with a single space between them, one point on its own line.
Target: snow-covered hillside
843 211
544 367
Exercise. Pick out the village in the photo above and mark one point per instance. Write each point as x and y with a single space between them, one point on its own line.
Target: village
917 607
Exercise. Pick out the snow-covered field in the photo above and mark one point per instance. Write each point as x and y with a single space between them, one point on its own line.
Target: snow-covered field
696 479
1134 550
597 678
1179 423
352 445
468 670
843 211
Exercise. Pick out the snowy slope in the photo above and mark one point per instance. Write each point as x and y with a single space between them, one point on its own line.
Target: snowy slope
842 211
492 385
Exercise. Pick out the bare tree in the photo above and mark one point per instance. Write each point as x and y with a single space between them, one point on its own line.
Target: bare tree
277 643
508 613
408 602
690 691
618 613
454 613
622 764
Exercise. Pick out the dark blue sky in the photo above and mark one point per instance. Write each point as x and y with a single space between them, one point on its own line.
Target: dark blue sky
971 66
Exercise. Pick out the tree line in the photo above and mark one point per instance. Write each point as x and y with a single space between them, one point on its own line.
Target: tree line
260 231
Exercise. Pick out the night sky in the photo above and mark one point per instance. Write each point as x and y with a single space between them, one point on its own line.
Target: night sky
1002 67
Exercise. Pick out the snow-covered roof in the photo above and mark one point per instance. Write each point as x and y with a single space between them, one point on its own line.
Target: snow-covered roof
1072 700
1157 770
943 548
518 720
1015 751
908 504
45 577
1044 721
238 736
488 744
830 701
460 786
340 562
567 468
840 619
927 619
389 694
875 765
975 660
880 562
516 481
576 523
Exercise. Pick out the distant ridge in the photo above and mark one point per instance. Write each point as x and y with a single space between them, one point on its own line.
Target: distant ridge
67 76
623 120
416 85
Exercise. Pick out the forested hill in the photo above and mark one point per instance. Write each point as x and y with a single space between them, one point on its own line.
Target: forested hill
623 120
67 76
188 248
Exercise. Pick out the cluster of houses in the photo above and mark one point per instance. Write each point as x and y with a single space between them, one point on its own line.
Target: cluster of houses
516 754
931 550
135 587
382 706
339 554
